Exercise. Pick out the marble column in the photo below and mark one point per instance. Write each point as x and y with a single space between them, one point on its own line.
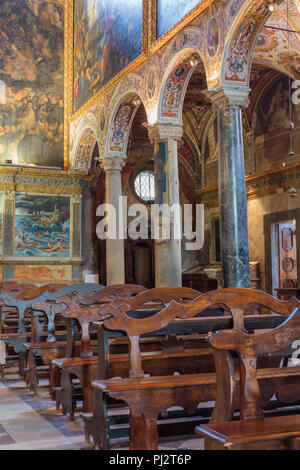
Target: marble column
232 189
89 253
168 263
115 256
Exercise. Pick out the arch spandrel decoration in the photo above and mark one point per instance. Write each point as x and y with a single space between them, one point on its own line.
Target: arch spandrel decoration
173 91
85 150
120 128
125 101
178 73
82 141
241 42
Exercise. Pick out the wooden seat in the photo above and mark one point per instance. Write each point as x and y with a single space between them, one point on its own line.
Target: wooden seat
254 431
83 309
147 397
277 433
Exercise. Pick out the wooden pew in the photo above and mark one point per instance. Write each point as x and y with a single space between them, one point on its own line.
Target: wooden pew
77 308
183 352
9 319
54 344
255 430
83 309
147 397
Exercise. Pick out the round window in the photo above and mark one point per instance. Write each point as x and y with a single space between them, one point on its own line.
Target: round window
144 185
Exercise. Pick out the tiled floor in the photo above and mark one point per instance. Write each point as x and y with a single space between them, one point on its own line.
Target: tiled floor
31 422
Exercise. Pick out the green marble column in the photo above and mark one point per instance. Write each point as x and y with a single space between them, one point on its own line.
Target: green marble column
232 191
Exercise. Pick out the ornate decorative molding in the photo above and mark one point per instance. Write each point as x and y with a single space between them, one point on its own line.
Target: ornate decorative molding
159 43
113 163
165 131
225 97
69 31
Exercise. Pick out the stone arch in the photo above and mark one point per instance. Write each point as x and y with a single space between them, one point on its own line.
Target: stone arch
174 85
121 120
241 42
88 123
84 149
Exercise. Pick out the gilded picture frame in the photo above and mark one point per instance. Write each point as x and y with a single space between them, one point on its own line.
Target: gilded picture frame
70 115
158 42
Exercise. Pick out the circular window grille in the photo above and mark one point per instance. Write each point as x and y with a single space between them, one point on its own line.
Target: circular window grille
144 185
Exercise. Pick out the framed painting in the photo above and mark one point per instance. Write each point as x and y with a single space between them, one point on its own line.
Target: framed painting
108 41
32 83
42 226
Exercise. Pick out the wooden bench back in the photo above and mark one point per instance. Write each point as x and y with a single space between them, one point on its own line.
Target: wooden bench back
236 301
85 308
250 347
111 292
46 293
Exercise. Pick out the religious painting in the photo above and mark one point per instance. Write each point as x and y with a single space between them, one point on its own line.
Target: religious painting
169 13
273 110
32 82
161 184
272 132
107 38
42 226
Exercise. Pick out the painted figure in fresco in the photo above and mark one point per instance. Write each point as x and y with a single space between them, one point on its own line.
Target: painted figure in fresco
42 226
31 65
277 114
107 37
160 178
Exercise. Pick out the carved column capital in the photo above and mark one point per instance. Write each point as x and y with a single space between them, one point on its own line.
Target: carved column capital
113 163
164 131
224 98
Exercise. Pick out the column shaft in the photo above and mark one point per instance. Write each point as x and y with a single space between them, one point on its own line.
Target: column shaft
232 199
168 263
115 256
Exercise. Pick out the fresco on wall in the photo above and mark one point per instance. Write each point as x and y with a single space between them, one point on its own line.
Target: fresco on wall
272 136
42 226
161 183
273 110
32 78
169 13
107 38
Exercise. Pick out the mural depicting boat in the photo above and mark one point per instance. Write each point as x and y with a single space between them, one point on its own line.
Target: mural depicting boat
42 226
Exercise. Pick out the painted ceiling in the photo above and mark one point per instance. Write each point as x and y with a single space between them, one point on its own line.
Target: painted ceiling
280 49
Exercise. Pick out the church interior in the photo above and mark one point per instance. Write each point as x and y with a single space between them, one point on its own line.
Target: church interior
149 225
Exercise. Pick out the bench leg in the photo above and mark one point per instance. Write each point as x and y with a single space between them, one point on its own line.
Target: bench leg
143 433
66 399
54 380
99 426
22 364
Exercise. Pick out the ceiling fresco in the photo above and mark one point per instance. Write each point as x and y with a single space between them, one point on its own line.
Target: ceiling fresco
280 49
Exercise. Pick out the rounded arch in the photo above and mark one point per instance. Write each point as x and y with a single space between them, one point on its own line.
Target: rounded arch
241 42
175 83
84 149
121 120
88 123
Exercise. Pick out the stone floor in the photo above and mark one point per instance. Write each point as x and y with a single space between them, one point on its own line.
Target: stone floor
31 422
